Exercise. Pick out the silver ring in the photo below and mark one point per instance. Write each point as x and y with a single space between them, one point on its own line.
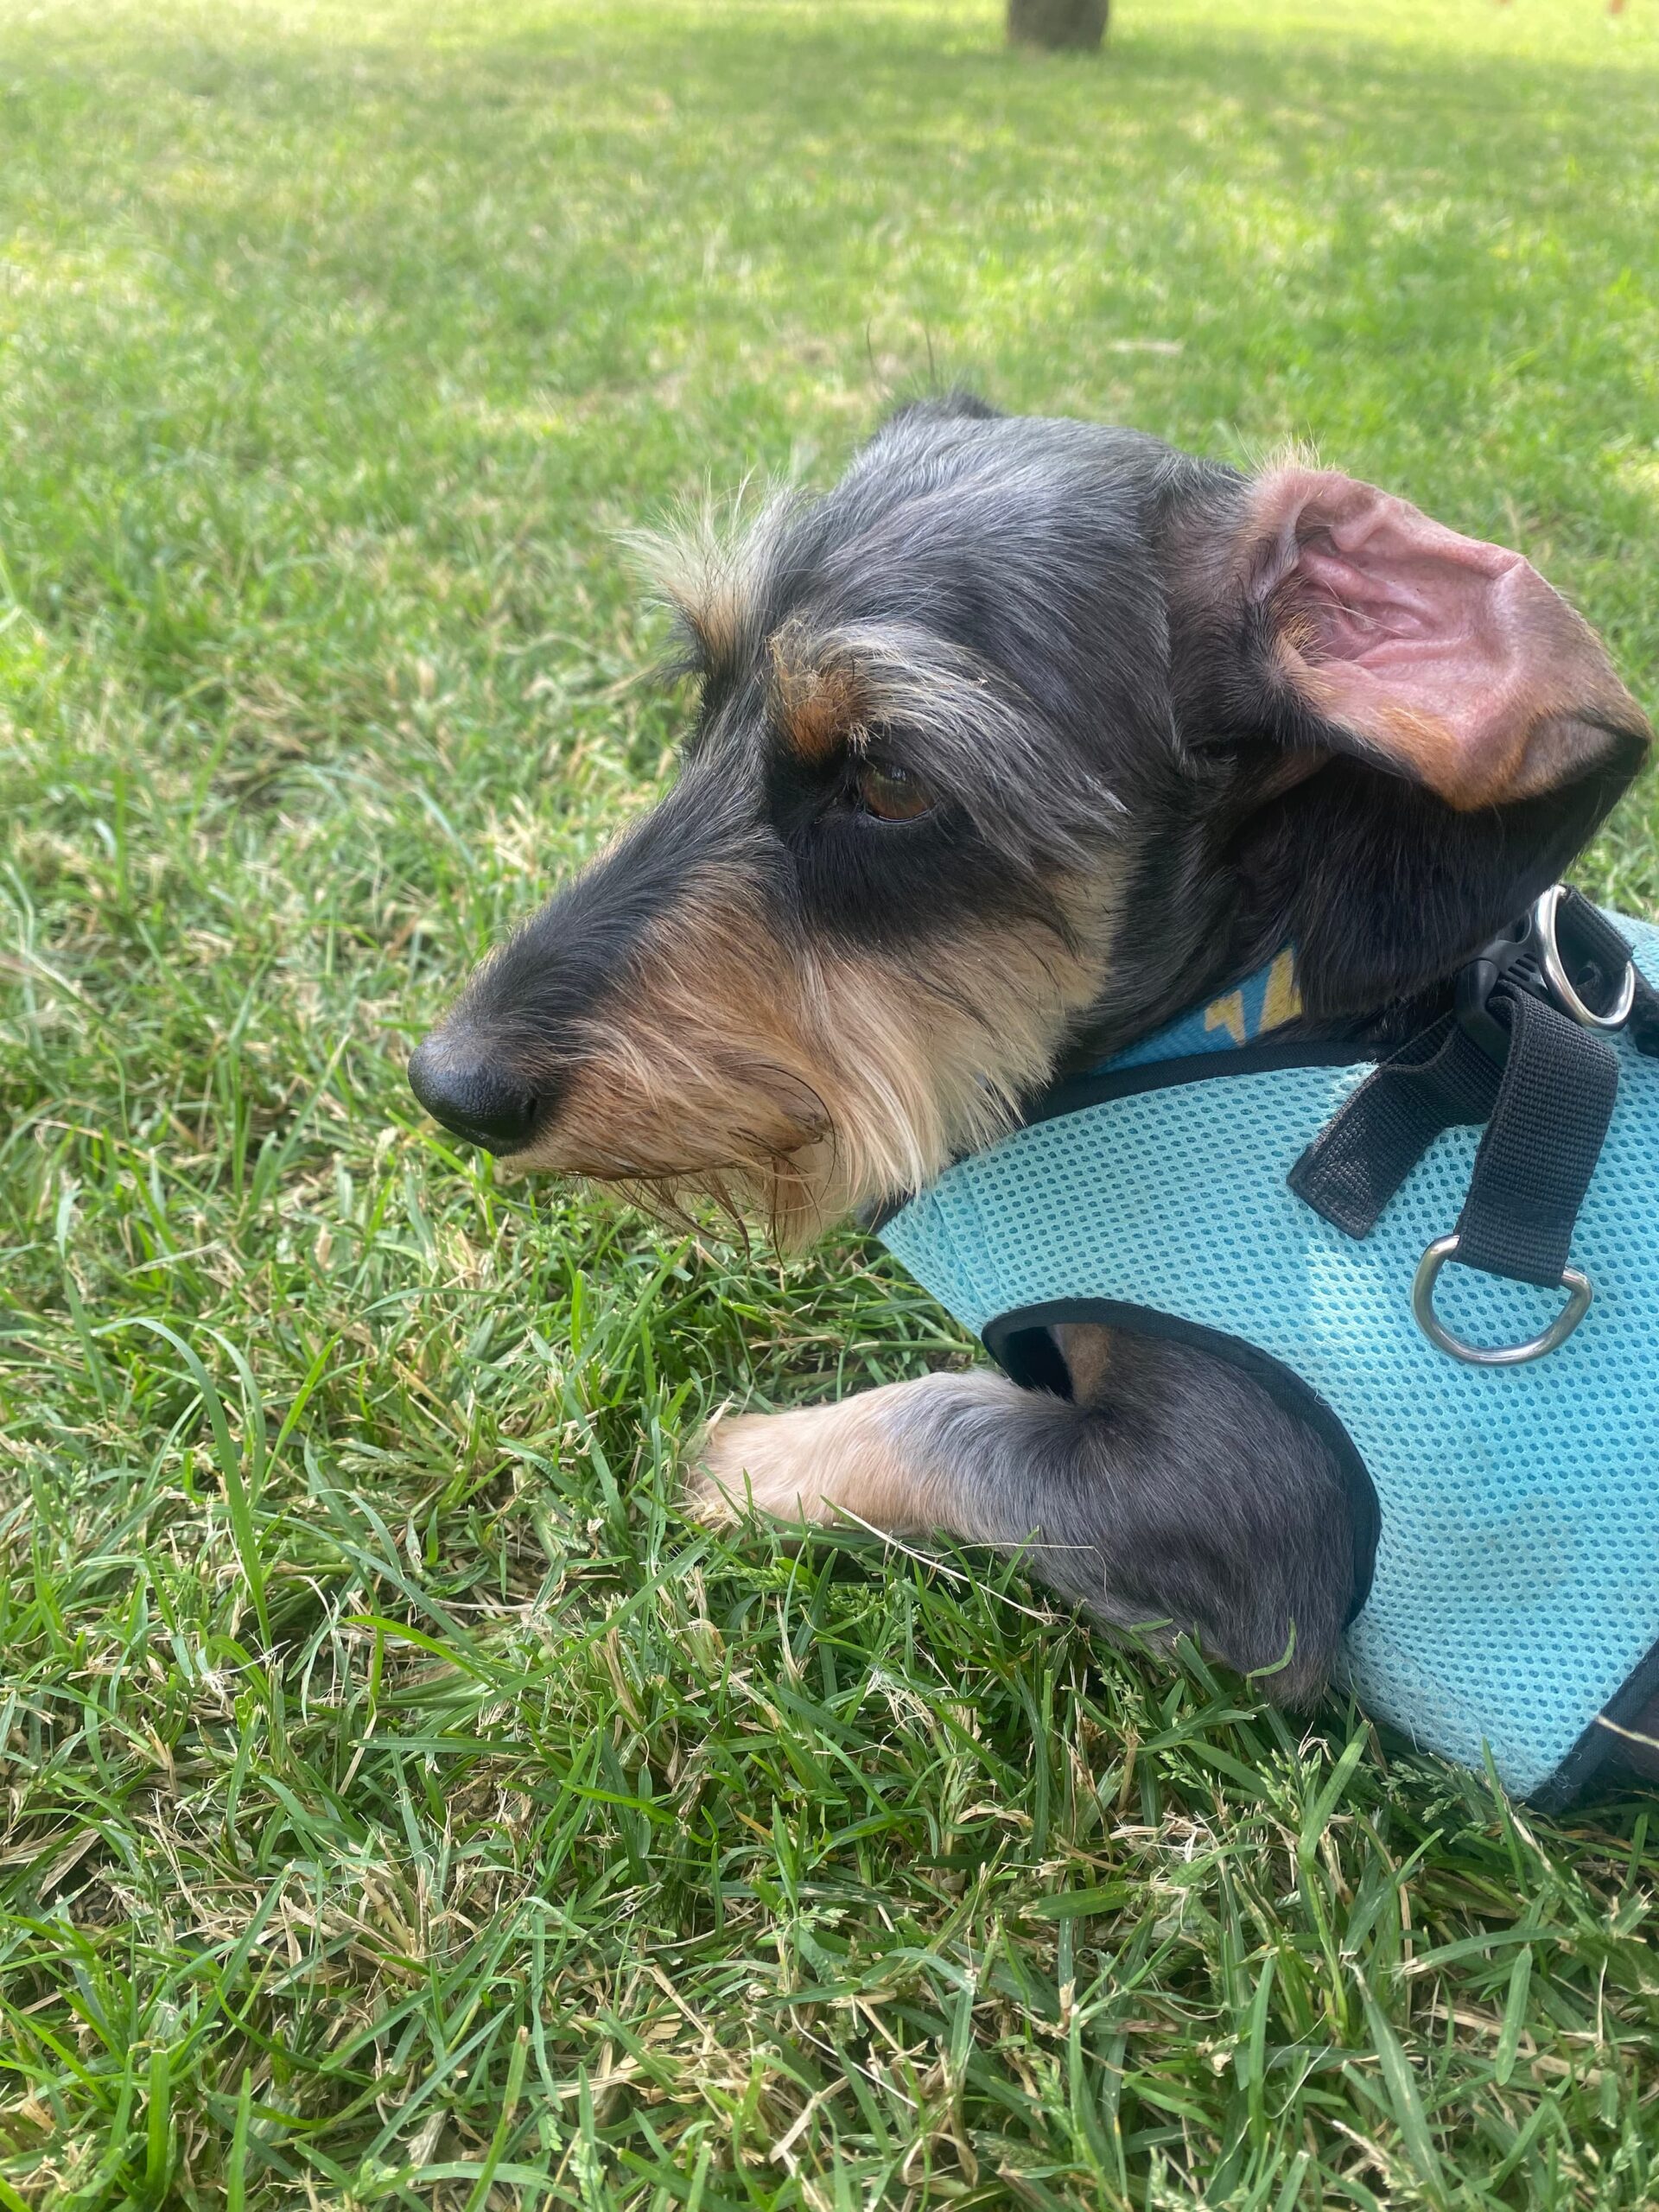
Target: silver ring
1576 1285
1561 983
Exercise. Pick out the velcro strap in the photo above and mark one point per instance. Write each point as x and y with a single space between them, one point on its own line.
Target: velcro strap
1547 1115
1439 1080
1541 1144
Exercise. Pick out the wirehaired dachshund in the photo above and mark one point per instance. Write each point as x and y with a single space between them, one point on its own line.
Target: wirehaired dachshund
1027 736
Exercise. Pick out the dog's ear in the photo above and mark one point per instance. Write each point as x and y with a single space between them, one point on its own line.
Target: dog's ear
1449 661
1452 731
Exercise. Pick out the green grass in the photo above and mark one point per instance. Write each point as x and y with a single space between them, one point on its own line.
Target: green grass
406 1806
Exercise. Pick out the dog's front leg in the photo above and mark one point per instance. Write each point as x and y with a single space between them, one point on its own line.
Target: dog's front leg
973 1456
1189 1499
900 1459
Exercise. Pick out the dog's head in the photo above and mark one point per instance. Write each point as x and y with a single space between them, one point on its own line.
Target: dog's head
1029 731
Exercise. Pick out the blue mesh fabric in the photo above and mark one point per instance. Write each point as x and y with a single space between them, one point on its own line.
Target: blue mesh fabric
1517 1574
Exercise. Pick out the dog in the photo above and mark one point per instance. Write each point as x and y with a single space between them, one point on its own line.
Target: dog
1026 737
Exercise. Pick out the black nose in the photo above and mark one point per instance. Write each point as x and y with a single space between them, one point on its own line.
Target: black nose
460 1090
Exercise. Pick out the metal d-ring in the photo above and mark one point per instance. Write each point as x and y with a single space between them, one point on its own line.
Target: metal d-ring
1576 1284
1561 983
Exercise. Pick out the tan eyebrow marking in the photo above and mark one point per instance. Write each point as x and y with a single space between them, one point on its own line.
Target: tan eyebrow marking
816 701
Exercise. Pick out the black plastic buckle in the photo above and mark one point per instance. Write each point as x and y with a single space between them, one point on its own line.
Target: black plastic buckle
1530 956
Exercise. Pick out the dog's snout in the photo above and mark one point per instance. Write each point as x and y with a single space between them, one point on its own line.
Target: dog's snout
471 1098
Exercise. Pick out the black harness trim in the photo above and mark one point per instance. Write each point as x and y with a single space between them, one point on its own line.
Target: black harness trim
1268 1055
1598 1744
1021 1345
1543 1085
1074 1094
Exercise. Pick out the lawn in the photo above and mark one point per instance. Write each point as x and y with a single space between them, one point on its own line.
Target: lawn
406 1806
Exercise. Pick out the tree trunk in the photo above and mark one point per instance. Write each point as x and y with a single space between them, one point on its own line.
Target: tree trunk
1056 22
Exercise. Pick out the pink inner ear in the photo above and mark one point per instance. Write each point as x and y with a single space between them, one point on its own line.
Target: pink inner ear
1452 658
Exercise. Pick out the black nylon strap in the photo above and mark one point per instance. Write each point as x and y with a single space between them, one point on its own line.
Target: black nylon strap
1547 1100
1439 1080
1541 1147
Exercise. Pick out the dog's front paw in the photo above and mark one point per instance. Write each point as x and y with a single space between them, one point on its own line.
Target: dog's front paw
871 1458
781 1464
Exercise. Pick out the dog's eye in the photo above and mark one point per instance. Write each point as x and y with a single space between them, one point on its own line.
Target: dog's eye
890 793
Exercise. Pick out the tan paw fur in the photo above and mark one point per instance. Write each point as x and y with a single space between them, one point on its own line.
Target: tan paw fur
818 1465
795 1466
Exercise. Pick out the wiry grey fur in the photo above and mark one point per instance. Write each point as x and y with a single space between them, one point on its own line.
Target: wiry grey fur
1045 625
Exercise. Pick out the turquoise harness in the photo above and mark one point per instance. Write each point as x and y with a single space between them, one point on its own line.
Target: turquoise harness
1515 1600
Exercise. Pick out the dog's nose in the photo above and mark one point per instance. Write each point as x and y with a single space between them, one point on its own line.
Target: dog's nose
470 1098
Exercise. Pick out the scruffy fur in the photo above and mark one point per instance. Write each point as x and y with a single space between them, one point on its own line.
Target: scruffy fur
1026 736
